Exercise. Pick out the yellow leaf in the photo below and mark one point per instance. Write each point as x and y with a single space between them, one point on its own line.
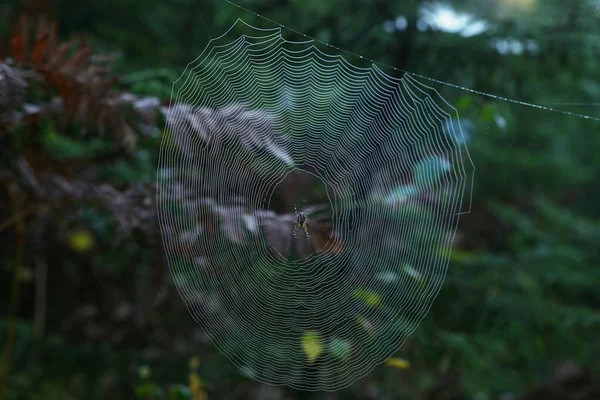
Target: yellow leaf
312 345
196 387
398 363
81 240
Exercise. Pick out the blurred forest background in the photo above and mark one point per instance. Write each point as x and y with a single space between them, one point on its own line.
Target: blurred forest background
87 306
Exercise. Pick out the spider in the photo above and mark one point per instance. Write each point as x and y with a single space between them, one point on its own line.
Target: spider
300 221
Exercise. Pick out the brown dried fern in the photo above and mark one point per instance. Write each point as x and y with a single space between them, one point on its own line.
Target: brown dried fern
80 78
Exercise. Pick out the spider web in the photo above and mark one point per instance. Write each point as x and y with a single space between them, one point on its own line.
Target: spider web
379 163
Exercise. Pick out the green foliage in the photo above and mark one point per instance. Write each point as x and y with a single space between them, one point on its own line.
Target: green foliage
521 292
535 297
63 148
155 82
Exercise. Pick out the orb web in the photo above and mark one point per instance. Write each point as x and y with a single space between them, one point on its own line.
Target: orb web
260 129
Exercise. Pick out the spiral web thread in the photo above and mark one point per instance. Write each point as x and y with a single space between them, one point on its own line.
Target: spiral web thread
247 114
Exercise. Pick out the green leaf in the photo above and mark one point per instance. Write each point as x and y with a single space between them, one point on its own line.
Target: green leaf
412 272
387 276
370 298
144 372
63 148
179 392
148 390
340 348
366 325
428 172
401 193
